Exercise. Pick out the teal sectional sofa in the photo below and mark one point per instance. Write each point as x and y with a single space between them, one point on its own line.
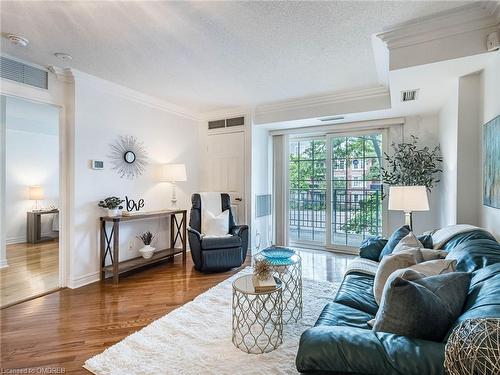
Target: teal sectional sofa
341 342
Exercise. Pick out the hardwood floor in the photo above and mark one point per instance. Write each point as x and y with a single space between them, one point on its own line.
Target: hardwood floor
33 269
65 328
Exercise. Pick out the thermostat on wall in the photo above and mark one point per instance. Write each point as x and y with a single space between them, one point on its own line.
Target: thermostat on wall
97 164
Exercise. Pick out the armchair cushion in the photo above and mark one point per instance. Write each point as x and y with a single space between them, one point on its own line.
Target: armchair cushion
223 242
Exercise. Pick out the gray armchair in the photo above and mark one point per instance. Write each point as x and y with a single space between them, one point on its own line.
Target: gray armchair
213 254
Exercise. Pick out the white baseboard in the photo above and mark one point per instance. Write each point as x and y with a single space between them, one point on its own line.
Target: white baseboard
14 240
23 239
80 281
3 263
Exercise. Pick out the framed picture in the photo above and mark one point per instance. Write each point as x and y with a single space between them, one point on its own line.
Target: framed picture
491 163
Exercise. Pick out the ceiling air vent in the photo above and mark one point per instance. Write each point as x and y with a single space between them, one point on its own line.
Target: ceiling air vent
23 73
409 95
226 123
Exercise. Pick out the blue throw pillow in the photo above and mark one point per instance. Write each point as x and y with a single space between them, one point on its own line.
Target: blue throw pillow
423 308
426 240
371 247
394 240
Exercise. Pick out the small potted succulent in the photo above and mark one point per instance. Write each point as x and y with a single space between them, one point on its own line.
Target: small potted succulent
113 205
147 251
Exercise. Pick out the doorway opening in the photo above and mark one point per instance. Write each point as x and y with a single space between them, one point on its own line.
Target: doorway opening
31 196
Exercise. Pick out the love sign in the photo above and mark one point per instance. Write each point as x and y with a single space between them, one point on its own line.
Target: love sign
132 205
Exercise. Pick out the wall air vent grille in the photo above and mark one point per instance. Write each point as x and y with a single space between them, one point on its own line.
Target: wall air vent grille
409 95
19 72
226 123
236 121
217 124
263 204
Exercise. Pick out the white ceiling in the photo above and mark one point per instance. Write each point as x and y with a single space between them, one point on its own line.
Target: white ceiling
210 55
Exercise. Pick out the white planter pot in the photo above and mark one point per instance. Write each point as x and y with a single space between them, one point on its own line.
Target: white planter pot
147 251
114 212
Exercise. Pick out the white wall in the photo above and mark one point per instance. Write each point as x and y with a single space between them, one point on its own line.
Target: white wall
490 92
426 128
473 102
31 159
104 111
448 138
261 184
469 150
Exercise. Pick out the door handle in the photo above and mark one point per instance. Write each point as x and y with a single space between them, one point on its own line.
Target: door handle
238 199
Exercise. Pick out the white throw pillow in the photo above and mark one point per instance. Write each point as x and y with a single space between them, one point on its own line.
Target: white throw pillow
216 225
408 242
388 265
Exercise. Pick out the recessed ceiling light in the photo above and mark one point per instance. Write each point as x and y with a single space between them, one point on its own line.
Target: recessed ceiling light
63 56
333 118
18 40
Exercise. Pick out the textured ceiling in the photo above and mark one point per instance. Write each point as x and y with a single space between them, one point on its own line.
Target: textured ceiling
209 55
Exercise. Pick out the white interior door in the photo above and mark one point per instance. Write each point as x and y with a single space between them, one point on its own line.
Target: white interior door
225 169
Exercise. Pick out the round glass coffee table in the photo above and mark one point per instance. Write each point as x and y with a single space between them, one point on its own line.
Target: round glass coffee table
287 266
257 319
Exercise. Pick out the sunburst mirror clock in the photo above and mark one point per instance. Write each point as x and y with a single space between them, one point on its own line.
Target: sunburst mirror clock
128 157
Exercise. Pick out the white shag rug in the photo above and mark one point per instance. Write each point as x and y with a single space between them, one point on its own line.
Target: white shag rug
196 339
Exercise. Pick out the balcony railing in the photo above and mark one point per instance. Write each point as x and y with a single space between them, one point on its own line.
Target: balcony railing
356 214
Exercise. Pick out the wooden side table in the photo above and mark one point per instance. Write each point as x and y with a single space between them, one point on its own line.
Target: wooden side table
34 226
110 242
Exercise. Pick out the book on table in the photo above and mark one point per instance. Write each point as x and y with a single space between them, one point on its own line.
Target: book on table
265 285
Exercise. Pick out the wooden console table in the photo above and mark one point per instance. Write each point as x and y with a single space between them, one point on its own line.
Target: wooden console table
34 226
110 242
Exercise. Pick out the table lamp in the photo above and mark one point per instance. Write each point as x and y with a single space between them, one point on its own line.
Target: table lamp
173 173
36 194
408 199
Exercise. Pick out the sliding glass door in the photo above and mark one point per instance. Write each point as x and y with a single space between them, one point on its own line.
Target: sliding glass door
335 189
355 188
307 193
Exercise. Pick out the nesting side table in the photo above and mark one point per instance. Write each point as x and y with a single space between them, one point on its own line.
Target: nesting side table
287 266
257 319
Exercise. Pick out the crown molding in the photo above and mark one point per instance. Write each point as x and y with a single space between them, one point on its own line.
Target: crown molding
130 94
326 99
476 16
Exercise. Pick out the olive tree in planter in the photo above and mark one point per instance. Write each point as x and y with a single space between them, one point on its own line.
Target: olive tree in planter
410 165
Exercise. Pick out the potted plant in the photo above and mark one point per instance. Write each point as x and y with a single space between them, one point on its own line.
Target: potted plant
147 251
113 205
412 166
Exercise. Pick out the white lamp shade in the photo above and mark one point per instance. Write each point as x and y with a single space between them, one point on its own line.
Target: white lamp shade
408 198
172 173
36 193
